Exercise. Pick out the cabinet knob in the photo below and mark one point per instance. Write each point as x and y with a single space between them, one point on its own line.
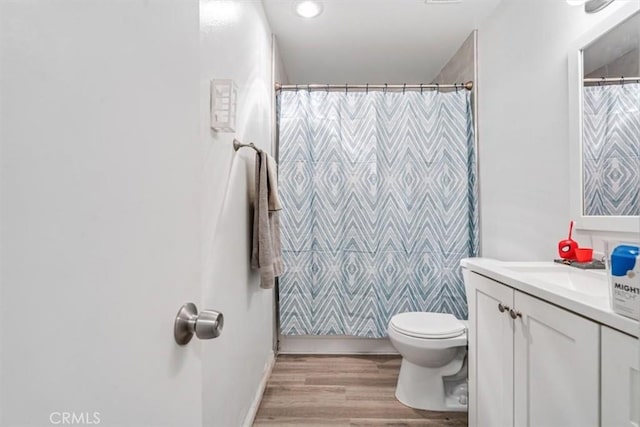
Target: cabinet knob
503 307
514 314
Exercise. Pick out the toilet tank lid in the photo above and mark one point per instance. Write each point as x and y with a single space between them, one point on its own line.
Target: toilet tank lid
428 325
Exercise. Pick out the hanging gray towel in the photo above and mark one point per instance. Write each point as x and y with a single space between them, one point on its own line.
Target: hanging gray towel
267 252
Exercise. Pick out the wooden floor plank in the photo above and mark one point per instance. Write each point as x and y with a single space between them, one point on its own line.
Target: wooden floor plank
370 393
348 391
434 422
349 379
301 421
299 396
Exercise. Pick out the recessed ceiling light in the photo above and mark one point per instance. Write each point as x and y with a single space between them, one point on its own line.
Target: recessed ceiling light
308 8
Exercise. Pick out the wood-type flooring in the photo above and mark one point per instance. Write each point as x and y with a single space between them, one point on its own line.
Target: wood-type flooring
349 391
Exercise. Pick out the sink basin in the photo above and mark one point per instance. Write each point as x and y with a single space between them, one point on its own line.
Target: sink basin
592 283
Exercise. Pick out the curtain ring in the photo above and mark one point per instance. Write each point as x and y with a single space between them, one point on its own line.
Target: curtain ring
367 90
327 88
622 80
404 88
601 82
456 86
438 87
386 85
296 87
421 89
308 87
346 88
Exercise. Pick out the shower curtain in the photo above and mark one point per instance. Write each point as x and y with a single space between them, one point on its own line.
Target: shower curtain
380 206
611 149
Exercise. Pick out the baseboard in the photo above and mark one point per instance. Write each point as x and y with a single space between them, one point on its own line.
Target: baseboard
305 344
253 409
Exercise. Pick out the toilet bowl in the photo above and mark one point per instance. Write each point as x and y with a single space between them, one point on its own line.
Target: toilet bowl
433 374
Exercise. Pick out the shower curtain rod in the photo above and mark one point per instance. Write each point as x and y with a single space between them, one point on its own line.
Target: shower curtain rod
610 80
366 87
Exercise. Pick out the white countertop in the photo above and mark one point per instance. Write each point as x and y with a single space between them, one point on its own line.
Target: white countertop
593 307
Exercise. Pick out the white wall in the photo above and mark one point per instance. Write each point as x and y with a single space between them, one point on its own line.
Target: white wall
280 72
523 125
119 204
235 43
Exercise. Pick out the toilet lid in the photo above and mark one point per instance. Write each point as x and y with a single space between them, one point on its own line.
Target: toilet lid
427 325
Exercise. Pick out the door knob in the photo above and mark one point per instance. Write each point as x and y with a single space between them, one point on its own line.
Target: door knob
205 325
514 314
502 307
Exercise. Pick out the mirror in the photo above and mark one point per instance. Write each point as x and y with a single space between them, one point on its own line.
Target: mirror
611 122
607 133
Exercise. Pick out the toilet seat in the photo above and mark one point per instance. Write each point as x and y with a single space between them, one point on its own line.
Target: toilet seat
427 325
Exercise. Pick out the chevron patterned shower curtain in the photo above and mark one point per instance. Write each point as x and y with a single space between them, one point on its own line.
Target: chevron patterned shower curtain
611 149
379 196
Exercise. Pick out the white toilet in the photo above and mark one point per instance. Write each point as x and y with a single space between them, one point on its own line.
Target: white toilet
433 375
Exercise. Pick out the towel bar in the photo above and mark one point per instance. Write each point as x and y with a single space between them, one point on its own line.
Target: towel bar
238 145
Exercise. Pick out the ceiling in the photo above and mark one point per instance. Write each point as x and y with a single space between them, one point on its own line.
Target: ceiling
373 41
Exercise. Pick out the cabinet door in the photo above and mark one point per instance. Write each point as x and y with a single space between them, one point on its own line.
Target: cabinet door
556 366
490 353
620 394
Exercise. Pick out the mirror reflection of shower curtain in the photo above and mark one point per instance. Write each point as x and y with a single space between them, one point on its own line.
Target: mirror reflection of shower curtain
380 205
611 149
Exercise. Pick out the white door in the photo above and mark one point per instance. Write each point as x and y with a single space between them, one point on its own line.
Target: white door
100 221
490 353
556 365
620 376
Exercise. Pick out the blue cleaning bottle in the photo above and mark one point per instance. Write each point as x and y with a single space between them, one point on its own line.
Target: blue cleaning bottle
625 280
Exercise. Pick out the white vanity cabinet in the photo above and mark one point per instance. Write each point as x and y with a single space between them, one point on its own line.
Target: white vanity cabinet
620 394
556 360
531 363
490 354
